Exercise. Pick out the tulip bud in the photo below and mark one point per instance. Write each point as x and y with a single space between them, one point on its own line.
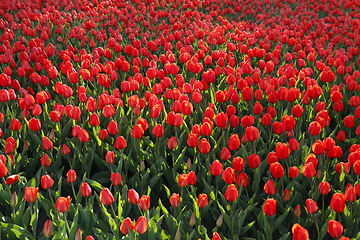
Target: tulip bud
142 166
78 235
297 211
240 213
177 236
13 200
219 221
318 174
52 134
26 146
188 165
48 230
192 220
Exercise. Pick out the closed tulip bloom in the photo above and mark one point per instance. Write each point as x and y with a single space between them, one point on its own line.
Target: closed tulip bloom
47 143
62 204
137 131
225 154
116 179
286 195
46 182
282 150
221 120
314 128
329 144
276 170
109 157
183 180
293 144
231 193
297 211
309 170
272 158
106 197
324 188
133 196
202 200
335 229
216 236
253 161
94 120
175 199
31 194
85 189
299 233
113 128
12 179
45 161
15 125
338 202
269 207
34 124
206 129
341 136
47 229
120 143
65 149
3 169
311 206
238 164
242 180
269 187
191 178
229 175
350 194
144 202
141 225
158 130
204 146
192 141
234 142
252 133
216 168
318 147
89 237
71 176
126 225
349 121
266 119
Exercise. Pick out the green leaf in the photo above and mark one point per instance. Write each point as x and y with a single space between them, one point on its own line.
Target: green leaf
284 237
162 207
225 215
73 228
19 232
279 220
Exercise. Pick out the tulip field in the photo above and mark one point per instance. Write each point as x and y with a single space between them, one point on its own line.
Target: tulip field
180 119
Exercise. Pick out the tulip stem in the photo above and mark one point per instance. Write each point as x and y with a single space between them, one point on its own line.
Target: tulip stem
51 197
66 222
254 147
232 219
116 219
217 187
72 186
317 227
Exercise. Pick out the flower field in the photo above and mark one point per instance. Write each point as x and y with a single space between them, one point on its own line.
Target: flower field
180 119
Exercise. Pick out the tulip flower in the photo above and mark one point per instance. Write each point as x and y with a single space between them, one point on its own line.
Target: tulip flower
234 142
238 164
216 168
106 197
269 206
126 225
141 225
85 189
202 200
231 193
276 170
174 200
71 176
46 182
335 229
242 180
133 196
47 143
120 142
3 170
31 194
269 187
253 161
12 179
229 175
183 180
116 179
144 202
191 178
299 233
324 188
337 202
47 229
62 204
109 157
311 206
225 154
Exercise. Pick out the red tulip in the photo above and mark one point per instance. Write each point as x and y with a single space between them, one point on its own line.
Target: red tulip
94 120
293 144
47 143
297 211
158 130
278 128
350 194
144 202
120 143
349 121
141 225
47 229
309 170
133 196
234 142
225 154
15 125
286 195
221 120
113 128
335 229
269 187
126 225
297 111
174 199
137 131
341 136
276 170
183 180
318 147
116 179
31 194
338 202
172 143
231 193
269 207
65 149
216 236
192 140
299 233
229 175
266 119
314 128
45 161
85 189
34 124
62 204
311 206
252 133
253 161
242 180
12 179
324 188
282 150
71 176
202 200
216 168
46 182
204 146
191 178
109 157
106 197
288 122
3 169
238 164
